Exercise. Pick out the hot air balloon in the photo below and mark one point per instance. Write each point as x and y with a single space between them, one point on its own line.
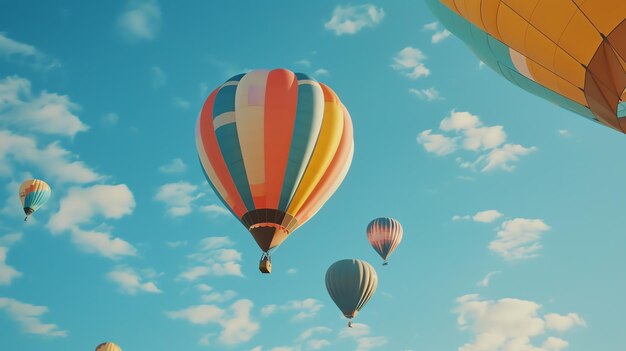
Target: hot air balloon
570 52
384 234
274 146
108 346
33 194
351 283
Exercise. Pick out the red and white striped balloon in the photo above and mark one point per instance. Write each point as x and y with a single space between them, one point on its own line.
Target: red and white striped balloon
384 234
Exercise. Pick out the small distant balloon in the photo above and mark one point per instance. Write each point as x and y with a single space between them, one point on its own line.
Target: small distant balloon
351 283
384 234
34 193
108 346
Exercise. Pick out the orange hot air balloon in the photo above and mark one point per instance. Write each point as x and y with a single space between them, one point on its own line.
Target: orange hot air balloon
274 145
570 52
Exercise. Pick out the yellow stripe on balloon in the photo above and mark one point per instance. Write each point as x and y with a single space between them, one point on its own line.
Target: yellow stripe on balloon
325 148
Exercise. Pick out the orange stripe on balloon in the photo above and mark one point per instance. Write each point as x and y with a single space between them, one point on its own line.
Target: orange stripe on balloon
321 192
213 152
281 99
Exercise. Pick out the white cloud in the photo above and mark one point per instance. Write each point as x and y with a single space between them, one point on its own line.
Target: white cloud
79 208
361 334
487 216
7 273
440 36
181 103
215 210
237 326
429 94
316 344
519 238
506 324
321 72
351 19
215 259
130 282
110 119
28 317
140 21
564 132
304 63
217 296
438 144
486 141
291 271
174 166
10 239
159 78
178 197
460 218
175 244
55 162
410 61
46 113
487 279
431 26
307 334
304 309
564 323
10 48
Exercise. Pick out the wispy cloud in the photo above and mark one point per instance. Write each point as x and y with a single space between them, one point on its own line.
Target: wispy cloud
140 20
237 325
465 131
510 323
487 279
82 205
12 49
174 166
130 281
438 35
29 318
410 61
304 309
361 333
351 19
178 197
429 94
181 103
159 77
487 216
7 273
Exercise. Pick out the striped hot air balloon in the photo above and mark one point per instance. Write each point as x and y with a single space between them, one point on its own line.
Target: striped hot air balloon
274 145
384 234
570 52
108 346
33 194
351 283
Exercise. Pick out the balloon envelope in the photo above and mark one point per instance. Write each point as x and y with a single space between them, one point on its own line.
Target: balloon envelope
572 53
274 145
108 346
384 234
351 283
33 194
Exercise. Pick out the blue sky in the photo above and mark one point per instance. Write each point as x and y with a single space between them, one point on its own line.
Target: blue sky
511 207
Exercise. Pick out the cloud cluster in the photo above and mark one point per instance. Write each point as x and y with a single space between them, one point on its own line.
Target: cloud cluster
410 61
519 238
510 324
214 258
466 132
237 326
29 317
79 208
438 35
351 19
174 166
304 309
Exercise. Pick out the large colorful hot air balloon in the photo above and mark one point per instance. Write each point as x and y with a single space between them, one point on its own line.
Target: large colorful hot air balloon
274 145
384 234
33 194
570 52
108 346
351 283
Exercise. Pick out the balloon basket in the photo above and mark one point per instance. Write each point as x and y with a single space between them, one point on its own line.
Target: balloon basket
265 265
